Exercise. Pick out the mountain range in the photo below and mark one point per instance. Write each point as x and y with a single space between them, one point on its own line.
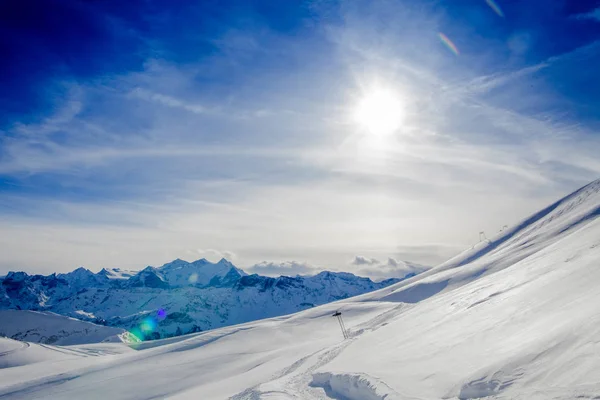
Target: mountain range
177 298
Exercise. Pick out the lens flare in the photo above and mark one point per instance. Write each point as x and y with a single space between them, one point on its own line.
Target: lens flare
147 328
448 43
138 334
494 6
148 325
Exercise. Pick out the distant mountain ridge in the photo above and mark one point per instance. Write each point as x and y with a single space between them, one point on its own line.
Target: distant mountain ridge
178 297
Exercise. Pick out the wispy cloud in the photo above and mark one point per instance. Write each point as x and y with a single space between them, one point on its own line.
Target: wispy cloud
169 101
486 83
495 7
594 15
483 84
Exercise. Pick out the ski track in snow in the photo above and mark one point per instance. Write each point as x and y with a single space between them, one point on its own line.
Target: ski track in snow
72 351
21 346
297 381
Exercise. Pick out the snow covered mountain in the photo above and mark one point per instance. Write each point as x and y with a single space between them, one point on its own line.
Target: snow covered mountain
513 318
179 297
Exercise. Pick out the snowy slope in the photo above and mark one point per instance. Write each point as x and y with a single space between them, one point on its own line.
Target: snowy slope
201 272
178 297
49 328
28 337
117 273
516 318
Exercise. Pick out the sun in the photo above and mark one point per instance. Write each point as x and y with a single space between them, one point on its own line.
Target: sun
380 112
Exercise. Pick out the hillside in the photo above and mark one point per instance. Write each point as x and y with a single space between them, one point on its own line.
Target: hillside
515 318
49 328
28 337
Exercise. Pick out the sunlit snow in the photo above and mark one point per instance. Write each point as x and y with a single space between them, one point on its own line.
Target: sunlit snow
513 318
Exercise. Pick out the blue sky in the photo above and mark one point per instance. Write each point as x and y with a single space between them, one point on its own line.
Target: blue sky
133 133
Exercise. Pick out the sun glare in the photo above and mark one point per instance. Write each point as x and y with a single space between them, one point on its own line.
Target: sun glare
380 112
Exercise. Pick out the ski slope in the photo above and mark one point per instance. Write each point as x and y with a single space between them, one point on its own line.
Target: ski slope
514 318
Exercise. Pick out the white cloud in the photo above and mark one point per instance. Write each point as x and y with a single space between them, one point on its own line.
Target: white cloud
392 263
359 260
286 268
392 268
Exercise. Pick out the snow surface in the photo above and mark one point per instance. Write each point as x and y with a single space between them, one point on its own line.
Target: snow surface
515 318
118 273
50 328
14 353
